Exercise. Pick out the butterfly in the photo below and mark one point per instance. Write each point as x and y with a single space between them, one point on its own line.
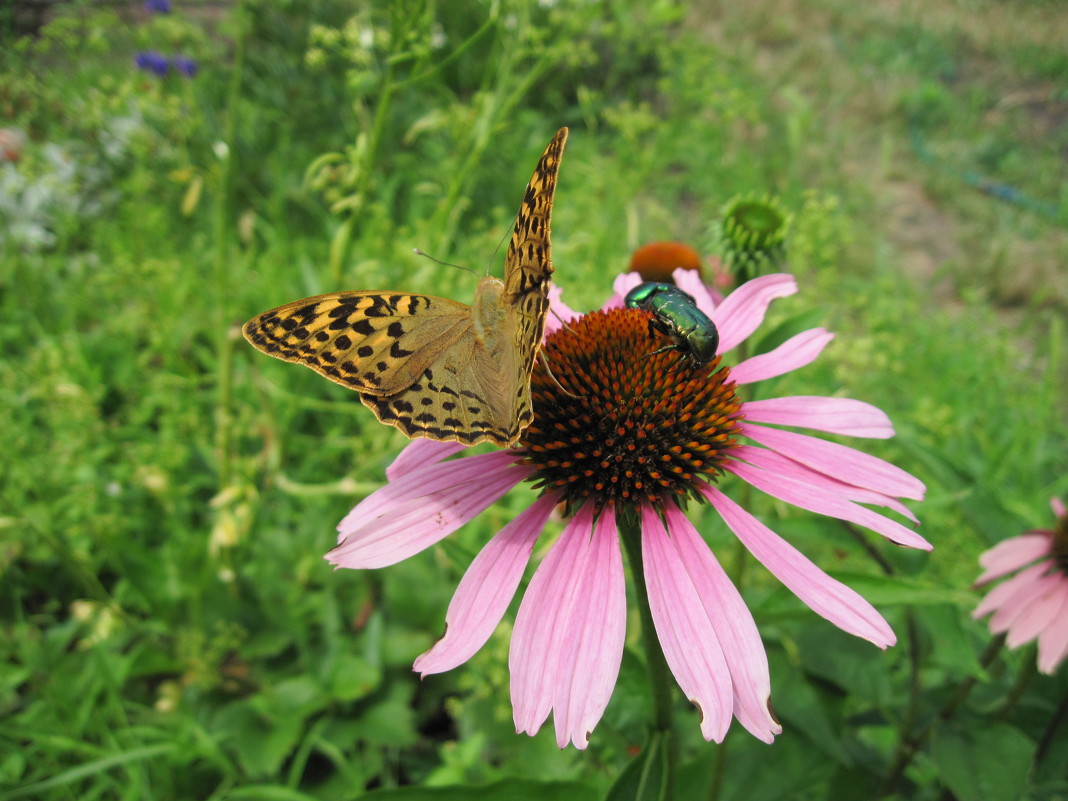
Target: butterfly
429 366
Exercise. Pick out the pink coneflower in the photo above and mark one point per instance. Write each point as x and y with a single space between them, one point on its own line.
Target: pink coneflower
1033 604
624 439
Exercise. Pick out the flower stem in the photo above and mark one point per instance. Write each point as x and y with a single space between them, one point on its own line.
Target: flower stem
659 674
908 746
221 266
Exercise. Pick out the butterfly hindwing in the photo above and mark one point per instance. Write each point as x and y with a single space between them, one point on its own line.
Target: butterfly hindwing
459 398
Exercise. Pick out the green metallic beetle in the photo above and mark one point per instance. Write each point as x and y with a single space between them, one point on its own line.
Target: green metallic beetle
675 314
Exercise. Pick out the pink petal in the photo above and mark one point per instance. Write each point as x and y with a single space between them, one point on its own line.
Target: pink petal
543 613
792 354
777 464
420 453
486 589
1016 605
559 312
1053 641
623 283
823 502
420 522
568 639
826 597
426 480
734 628
1004 592
690 281
1057 505
839 461
1038 614
594 638
686 633
1010 555
835 415
743 310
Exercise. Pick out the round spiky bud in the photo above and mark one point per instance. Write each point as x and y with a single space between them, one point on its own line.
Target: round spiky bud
752 235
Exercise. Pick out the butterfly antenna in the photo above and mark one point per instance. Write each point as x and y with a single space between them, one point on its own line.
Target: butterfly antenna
497 250
419 252
545 363
562 321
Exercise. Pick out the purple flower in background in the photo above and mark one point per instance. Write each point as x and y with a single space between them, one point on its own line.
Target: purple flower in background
186 66
158 6
151 61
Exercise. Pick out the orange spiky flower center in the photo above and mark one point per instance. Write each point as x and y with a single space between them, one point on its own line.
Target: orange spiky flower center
628 424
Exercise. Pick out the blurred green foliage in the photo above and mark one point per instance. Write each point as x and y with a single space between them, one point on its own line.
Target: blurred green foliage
169 627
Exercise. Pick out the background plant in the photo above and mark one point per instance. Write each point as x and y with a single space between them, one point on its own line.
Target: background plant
169 627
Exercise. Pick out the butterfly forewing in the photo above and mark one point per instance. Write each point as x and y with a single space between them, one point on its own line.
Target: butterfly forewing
371 342
433 367
528 268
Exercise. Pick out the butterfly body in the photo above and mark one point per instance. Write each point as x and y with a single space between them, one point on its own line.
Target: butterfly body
676 315
434 367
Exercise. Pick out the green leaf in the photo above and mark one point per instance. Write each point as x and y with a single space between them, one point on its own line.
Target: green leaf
854 665
267 792
802 707
647 777
760 772
983 763
390 720
353 677
261 741
510 790
905 591
790 327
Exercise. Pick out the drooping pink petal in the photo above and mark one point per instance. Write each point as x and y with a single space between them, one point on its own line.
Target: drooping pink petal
834 415
1053 641
689 281
820 501
594 639
420 453
743 310
778 464
839 461
544 612
1037 614
568 639
428 479
686 633
827 597
733 624
1010 555
486 589
1003 593
420 522
559 312
794 353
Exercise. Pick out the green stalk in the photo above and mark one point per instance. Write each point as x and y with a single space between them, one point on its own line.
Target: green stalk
224 408
907 747
660 679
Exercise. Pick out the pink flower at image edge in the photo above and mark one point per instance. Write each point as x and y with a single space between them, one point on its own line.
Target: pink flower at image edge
1033 604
